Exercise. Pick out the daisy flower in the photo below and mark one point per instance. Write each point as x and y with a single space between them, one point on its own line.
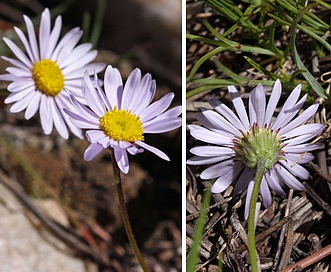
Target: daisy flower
50 70
120 116
238 143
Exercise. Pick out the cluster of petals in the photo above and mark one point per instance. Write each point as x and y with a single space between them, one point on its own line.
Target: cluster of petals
135 97
222 127
72 60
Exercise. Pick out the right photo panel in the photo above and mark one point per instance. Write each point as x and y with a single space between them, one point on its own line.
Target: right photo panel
258 183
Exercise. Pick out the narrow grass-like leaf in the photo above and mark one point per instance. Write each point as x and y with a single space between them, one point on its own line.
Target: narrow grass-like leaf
305 30
260 68
324 4
193 255
202 60
206 40
294 7
306 74
239 80
232 12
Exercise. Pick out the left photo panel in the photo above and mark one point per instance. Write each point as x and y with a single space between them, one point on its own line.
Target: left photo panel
91 136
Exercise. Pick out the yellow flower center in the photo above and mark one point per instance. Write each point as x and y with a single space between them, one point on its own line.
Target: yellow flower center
122 125
48 77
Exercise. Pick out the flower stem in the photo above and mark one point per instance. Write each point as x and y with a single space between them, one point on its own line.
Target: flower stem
125 215
251 217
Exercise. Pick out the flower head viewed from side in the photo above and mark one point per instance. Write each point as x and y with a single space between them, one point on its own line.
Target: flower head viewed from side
238 144
120 116
50 70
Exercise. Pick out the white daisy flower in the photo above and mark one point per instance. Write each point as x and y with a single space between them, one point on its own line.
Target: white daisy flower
49 71
119 117
238 143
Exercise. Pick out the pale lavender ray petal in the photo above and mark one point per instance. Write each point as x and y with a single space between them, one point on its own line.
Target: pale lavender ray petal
8 77
287 108
299 158
25 42
265 193
302 130
301 148
302 138
218 121
124 144
76 54
92 151
45 112
59 123
94 135
256 105
18 52
104 141
81 121
92 97
153 149
242 183
239 106
32 38
101 93
213 127
74 65
209 151
273 101
66 44
161 126
33 107
113 86
157 107
289 179
208 136
130 87
303 117
44 32
122 160
20 85
75 83
54 37
225 180
63 100
73 103
173 112
218 169
148 97
94 67
248 198
227 113
21 104
74 129
197 160
142 95
296 169
17 63
275 183
19 72
21 95
133 150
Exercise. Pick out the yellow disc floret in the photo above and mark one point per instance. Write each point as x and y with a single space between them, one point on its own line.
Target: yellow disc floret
122 125
48 77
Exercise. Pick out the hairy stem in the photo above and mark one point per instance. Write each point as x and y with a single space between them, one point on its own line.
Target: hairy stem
125 215
251 217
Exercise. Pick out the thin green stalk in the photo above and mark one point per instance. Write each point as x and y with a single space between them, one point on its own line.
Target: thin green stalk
125 215
193 255
251 217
